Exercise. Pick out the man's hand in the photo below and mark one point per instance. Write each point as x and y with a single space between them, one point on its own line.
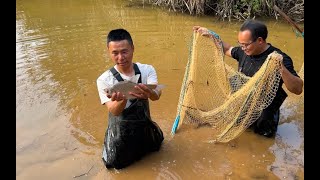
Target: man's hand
117 103
202 30
144 92
116 96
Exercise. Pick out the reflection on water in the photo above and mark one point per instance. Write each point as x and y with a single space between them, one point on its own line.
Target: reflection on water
289 144
289 152
60 51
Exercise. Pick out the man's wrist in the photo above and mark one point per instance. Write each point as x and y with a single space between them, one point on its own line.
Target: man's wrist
154 94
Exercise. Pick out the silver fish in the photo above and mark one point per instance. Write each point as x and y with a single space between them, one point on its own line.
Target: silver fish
127 86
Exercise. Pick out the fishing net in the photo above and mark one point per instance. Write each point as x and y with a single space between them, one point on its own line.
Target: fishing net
215 94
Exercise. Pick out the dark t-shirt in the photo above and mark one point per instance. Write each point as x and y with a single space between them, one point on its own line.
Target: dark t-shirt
249 65
252 64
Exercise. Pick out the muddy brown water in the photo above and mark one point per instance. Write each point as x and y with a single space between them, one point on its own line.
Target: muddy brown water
60 124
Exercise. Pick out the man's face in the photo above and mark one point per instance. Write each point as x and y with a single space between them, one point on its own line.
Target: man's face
121 52
245 41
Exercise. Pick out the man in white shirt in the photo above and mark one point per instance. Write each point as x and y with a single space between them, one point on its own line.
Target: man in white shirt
131 132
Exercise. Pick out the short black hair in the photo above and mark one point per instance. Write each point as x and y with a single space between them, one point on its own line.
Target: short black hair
119 35
257 29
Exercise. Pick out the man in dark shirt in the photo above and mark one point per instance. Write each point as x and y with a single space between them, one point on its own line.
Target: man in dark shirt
251 53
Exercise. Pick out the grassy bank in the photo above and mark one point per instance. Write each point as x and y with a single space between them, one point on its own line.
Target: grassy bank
234 9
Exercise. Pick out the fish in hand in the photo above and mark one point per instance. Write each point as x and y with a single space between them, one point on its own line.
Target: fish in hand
127 86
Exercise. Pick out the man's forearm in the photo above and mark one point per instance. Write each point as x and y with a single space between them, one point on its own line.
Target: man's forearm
227 48
116 107
293 83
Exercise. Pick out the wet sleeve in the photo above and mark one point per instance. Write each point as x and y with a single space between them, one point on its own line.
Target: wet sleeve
102 94
103 83
152 76
235 53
